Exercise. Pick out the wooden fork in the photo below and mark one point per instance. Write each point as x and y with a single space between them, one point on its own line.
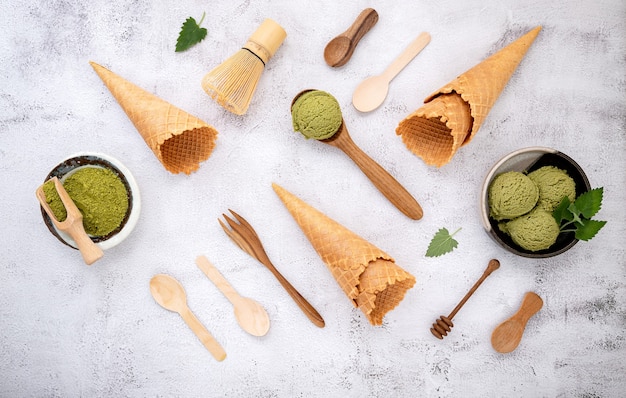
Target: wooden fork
247 239
73 224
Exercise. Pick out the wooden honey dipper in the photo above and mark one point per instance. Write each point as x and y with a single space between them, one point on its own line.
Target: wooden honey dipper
443 325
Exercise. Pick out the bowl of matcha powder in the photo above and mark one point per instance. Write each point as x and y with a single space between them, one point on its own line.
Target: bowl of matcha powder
104 191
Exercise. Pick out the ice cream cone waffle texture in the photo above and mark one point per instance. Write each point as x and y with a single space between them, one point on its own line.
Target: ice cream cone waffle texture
368 276
453 114
179 140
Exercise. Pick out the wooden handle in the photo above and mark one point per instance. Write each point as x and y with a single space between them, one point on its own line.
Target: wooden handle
492 266
362 24
385 183
531 304
304 305
73 223
90 251
406 56
218 279
507 336
205 337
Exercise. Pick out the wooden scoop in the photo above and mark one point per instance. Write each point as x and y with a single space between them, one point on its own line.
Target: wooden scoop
385 183
170 294
250 315
339 50
507 336
373 90
73 224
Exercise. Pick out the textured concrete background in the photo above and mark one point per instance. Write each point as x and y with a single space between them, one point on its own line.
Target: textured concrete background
70 330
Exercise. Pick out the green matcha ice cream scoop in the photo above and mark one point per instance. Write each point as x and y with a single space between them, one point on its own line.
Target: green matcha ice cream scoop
511 195
553 184
317 114
537 230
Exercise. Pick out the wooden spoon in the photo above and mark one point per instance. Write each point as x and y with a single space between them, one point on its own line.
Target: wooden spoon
250 315
170 294
384 181
507 336
373 90
339 50
73 224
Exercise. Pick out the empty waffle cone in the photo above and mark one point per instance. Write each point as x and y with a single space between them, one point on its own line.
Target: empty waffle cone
453 114
180 141
368 276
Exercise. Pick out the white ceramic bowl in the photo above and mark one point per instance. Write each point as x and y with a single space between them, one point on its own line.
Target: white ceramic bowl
93 159
525 160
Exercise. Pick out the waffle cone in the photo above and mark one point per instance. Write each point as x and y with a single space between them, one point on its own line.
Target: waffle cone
180 141
367 275
436 131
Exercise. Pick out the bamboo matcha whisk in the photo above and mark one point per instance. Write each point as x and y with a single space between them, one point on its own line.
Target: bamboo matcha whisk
233 83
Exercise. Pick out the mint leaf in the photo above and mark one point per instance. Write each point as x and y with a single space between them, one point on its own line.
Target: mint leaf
589 203
576 217
190 34
562 213
442 243
574 212
588 229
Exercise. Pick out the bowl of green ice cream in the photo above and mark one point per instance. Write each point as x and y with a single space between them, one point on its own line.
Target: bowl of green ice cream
104 191
519 195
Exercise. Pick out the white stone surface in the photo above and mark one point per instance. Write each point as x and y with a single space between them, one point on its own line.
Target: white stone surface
69 330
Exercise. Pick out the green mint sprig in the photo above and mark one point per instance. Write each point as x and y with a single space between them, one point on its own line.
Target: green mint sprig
442 243
190 34
576 216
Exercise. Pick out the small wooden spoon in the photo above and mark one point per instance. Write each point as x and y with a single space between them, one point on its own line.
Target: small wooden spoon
384 181
73 224
250 315
339 50
373 90
507 336
170 294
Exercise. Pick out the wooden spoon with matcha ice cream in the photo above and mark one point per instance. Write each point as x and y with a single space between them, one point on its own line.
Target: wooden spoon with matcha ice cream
316 114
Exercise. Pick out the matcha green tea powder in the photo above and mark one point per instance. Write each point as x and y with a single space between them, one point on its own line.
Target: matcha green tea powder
99 194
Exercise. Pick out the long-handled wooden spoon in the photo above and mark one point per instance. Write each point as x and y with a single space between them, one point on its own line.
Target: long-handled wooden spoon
372 91
170 294
73 224
386 184
507 336
444 324
339 50
250 315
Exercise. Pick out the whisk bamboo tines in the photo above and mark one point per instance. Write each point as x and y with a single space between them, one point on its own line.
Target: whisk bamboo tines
443 325
233 83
